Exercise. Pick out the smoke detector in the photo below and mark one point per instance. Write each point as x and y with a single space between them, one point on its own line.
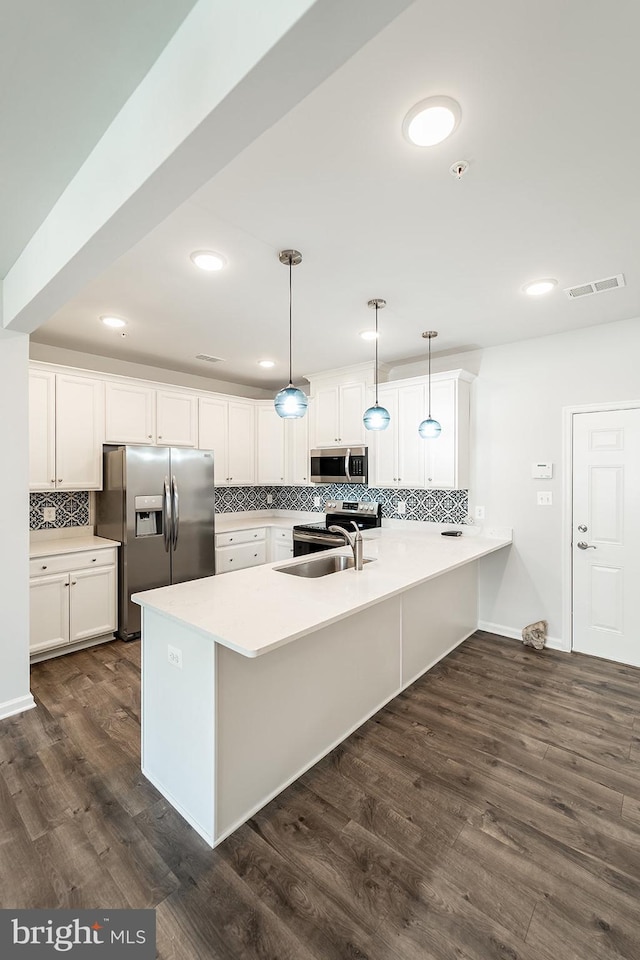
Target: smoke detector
595 286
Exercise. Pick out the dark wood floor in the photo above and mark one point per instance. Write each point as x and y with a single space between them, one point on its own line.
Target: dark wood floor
490 811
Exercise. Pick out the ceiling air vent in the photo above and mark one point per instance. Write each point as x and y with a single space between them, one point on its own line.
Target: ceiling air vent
595 286
208 358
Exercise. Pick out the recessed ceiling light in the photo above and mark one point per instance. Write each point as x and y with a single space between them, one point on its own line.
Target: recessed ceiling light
369 335
208 260
431 121
266 363
536 288
113 321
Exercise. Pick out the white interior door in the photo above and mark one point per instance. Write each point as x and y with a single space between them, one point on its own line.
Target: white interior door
606 534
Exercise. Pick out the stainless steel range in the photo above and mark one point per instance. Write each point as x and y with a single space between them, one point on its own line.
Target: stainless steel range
314 537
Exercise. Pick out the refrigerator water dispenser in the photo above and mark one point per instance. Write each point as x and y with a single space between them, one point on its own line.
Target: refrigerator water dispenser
148 516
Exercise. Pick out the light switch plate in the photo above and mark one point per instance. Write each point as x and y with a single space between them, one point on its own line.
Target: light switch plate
316 502
542 471
479 513
49 514
401 506
545 498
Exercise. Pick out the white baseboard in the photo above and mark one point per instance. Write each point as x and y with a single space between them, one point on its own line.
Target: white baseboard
553 643
10 707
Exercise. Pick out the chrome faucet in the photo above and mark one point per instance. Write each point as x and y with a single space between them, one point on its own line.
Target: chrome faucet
354 541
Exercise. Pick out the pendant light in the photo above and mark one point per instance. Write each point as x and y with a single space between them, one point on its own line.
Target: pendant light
376 417
429 429
290 402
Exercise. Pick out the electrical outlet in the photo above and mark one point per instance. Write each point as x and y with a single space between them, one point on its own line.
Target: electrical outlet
269 499
479 513
316 501
401 506
174 656
545 498
49 514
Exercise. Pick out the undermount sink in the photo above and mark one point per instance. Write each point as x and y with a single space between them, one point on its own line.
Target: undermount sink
320 566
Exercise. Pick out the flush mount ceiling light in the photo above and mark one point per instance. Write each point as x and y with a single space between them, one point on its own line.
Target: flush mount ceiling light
290 403
266 363
369 335
536 288
376 417
208 260
115 322
429 429
431 121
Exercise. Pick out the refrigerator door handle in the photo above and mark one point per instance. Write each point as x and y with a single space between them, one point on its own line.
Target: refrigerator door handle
176 512
166 510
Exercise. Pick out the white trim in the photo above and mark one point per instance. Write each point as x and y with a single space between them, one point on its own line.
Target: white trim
202 831
65 648
513 633
10 707
568 414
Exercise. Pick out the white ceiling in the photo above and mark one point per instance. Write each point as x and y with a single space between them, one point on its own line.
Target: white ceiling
549 127
66 69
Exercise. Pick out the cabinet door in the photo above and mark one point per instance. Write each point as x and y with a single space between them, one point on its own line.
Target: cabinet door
282 550
411 446
385 443
271 463
176 419
297 444
242 442
93 603
238 558
441 452
42 430
352 406
129 413
325 414
213 416
49 612
79 432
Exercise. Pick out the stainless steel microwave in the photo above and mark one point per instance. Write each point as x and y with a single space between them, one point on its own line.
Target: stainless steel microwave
340 465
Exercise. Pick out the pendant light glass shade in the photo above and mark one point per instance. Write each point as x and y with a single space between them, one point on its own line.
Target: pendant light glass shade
430 429
376 417
290 403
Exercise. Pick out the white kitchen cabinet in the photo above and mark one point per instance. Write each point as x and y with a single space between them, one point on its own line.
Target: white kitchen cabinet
398 452
271 466
130 413
72 598
228 427
281 544
400 457
337 412
297 446
240 549
66 431
176 419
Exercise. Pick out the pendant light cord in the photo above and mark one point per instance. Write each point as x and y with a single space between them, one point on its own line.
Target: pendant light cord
376 368
429 378
290 322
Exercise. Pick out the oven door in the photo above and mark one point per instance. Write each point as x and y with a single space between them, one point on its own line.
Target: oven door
306 543
339 465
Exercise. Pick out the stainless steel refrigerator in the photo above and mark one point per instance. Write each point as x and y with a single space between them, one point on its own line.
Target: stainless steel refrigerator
159 503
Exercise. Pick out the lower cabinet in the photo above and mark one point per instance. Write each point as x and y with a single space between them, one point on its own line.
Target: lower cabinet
239 549
72 598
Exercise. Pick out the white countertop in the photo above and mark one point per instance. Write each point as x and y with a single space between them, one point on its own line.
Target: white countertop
259 609
51 548
230 522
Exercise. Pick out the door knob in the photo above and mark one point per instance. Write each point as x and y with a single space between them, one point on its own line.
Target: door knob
586 546
582 527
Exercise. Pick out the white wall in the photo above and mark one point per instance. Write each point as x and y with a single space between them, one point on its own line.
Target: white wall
14 543
142 371
517 403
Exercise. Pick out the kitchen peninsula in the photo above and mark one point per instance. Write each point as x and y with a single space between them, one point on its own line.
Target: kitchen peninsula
249 679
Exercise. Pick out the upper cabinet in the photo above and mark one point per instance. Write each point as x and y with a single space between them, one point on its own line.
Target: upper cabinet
339 401
401 458
137 413
282 447
66 431
228 427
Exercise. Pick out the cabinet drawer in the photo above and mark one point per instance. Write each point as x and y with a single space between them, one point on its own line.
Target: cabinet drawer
240 557
240 536
279 534
62 562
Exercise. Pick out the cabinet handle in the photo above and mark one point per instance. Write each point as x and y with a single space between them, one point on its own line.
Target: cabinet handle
93 559
73 583
149 436
67 584
52 481
59 479
44 566
159 436
230 559
399 479
430 479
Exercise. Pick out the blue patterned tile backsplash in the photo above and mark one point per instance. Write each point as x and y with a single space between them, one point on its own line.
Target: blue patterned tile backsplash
72 509
440 506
